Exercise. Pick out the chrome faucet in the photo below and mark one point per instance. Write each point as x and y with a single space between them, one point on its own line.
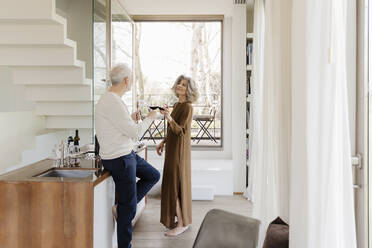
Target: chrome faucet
62 154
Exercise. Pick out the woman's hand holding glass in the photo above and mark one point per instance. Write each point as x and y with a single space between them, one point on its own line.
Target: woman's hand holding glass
166 113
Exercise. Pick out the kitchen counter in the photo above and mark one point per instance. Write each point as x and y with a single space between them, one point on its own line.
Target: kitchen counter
30 172
57 211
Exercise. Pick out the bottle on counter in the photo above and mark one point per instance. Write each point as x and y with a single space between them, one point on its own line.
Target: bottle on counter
76 147
70 150
98 162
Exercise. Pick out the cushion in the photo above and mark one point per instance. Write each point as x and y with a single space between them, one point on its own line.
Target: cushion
221 229
277 235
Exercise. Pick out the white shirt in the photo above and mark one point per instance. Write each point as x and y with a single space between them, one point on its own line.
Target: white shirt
115 129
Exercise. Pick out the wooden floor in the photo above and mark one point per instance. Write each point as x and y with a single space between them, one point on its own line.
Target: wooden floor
149 233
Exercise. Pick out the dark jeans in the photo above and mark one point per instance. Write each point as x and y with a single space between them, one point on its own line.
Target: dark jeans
124 171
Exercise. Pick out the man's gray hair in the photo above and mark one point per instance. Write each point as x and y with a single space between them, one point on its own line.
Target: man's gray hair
192 93
119 72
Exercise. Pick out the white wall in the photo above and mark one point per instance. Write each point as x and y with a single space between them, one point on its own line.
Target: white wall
79 27
18 124
17 136
23 144
234 33
12 97
23 138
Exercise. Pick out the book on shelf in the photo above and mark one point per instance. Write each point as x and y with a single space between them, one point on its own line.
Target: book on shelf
249 77
248 116
248 88
249 52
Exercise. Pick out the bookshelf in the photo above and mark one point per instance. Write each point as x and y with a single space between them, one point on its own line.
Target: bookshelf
249 69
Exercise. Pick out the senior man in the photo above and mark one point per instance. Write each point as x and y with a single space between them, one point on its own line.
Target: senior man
116 130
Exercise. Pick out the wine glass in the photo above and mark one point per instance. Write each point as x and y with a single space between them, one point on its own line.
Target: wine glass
140 105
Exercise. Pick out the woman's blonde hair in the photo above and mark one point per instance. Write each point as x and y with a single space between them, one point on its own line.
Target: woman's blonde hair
192 93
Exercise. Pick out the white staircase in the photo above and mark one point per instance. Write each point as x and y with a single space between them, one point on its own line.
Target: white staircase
34 44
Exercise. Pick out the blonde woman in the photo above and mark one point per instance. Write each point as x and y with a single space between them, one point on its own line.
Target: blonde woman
176 185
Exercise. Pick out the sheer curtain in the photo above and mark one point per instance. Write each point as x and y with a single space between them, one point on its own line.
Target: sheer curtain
300 118
255 122
270 119
321 204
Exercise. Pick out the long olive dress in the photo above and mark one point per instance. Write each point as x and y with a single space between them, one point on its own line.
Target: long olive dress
177 166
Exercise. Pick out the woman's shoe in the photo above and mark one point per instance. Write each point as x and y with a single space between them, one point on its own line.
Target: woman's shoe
115 211
176 231
171 227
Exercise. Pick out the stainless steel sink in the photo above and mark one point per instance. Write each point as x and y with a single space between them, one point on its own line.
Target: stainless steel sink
68 173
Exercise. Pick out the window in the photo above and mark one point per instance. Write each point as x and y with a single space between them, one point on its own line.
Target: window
166 49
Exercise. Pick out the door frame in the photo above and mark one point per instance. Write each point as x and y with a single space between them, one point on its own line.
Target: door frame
363 195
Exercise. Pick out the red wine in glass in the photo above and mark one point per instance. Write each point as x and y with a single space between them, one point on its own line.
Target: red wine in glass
156 107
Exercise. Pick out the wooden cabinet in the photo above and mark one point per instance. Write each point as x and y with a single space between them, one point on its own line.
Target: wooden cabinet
57 212
46 214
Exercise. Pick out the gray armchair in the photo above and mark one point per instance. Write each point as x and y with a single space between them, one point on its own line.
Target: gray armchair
221 229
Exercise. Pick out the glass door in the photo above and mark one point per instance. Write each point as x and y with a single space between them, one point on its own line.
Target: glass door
101 62
122 28
112 44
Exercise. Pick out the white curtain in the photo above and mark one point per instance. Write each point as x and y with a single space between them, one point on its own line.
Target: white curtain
321 204
270 119
255 122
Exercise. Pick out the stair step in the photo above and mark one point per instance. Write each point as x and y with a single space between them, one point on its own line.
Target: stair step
68 122
32 34
48 74
64 108
41 93
51 55
86 82
41 10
